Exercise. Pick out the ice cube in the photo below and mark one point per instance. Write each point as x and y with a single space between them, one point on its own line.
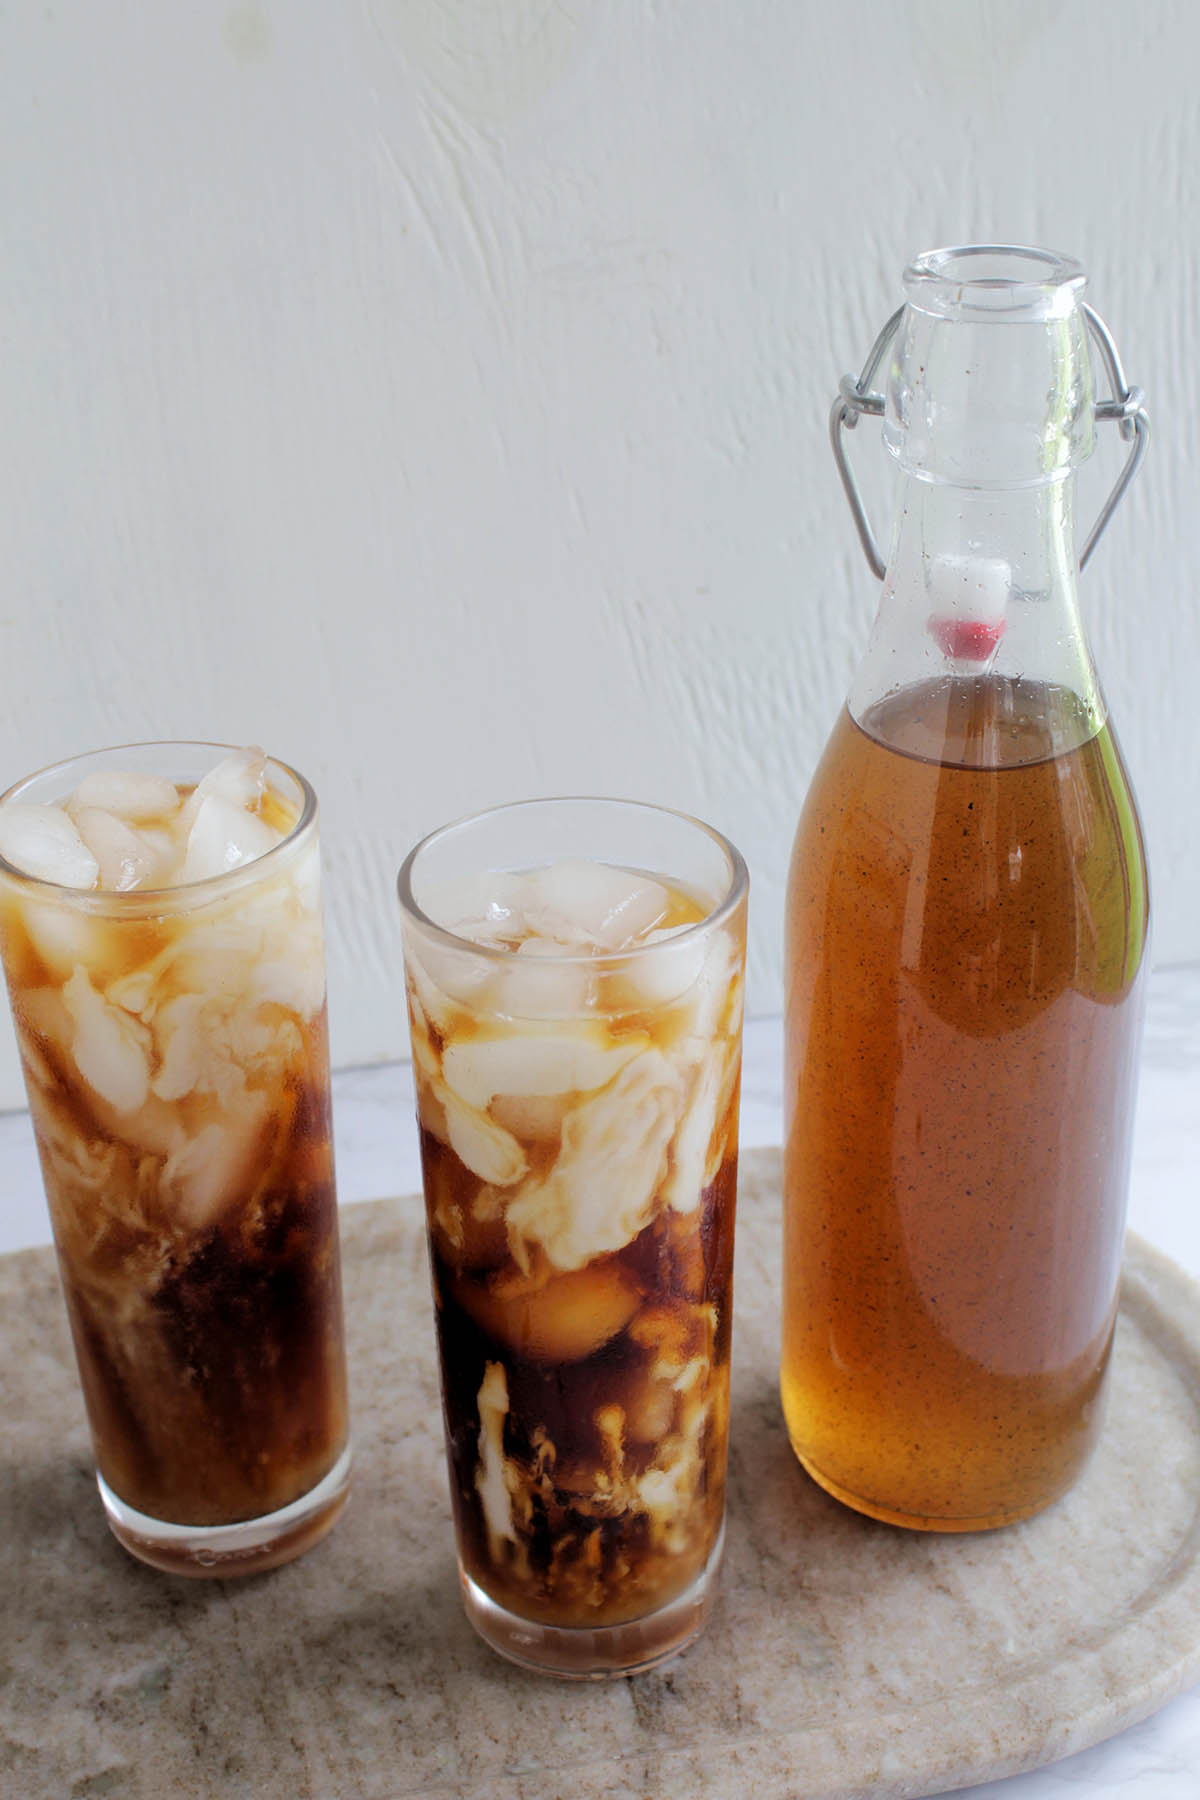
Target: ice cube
296 982
179 1039
577 901
542 1063
218 951
479 1143
42 841
444 979
240 778
221 1161
563 1319
534 1118
166 852
716 994
139 990
133 797
656 980
488 907
689 1151
216 1044
544 980
126 858
111 1049
64 937
223 837
601 1191
261 1050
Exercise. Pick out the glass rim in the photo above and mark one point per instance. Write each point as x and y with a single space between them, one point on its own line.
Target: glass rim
1039 285
735 892
158 899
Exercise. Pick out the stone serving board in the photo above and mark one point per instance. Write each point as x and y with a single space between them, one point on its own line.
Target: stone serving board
844 1658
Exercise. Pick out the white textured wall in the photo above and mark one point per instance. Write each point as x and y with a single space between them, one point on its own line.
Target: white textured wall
435 391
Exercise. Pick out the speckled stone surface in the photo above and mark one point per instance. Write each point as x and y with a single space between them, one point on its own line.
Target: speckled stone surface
844 1658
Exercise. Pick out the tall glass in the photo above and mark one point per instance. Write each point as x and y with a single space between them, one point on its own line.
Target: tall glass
175 1055
575 982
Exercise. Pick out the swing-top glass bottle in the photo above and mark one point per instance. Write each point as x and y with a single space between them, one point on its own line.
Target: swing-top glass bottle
966 939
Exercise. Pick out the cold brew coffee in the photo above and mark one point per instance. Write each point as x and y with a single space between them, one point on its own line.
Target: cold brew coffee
160 928
576 1045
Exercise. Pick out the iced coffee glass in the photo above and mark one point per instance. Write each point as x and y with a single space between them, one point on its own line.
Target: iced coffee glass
575 980
160 928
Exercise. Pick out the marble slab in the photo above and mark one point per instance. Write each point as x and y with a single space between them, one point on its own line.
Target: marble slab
844 1658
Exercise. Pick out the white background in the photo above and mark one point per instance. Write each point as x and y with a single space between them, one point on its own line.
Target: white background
435 392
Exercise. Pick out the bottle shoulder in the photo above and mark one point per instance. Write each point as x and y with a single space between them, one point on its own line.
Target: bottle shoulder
982 721
964 829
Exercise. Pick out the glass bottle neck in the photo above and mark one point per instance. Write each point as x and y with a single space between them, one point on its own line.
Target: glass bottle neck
978 654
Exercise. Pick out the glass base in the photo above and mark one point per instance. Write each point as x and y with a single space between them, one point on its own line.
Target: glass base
582 1653
223 1550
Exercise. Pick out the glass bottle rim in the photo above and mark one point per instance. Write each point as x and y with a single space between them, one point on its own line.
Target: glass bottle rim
1013 283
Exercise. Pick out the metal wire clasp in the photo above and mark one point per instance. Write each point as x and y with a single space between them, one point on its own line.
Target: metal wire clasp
1125 405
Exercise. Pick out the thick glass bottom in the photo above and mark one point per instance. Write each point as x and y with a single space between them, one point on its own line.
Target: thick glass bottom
224 1550
582 1653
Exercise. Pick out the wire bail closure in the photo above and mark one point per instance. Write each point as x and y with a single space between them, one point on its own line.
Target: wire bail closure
1126 406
